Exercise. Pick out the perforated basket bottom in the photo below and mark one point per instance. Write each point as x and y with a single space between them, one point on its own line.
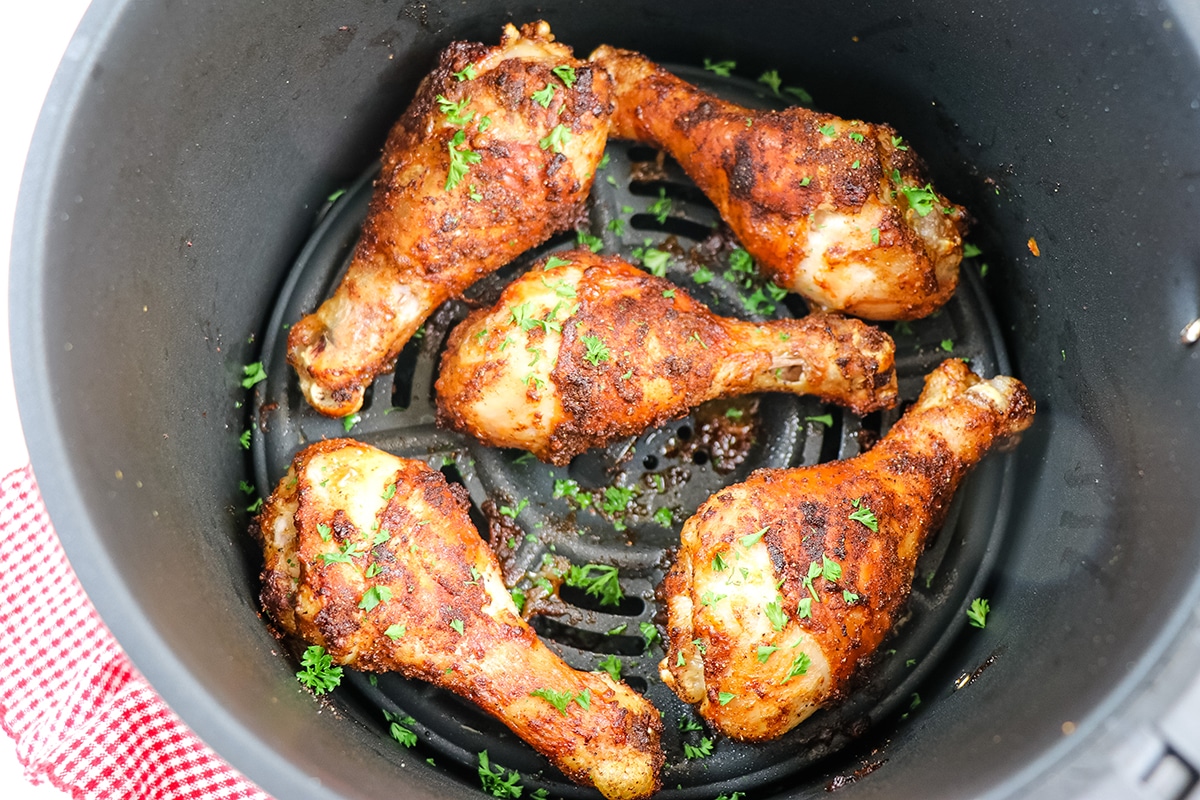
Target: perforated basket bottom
677 466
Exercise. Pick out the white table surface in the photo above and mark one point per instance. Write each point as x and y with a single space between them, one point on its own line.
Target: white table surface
36 36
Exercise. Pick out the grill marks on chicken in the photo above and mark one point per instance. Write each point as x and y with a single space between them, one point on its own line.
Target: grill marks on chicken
374 558
475 172
593 349
781 588
835 210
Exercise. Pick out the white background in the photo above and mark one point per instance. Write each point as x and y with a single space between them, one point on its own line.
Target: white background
36 34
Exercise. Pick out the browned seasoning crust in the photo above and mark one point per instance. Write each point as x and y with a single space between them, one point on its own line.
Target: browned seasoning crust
813 197
804 516
594 349
445 615
424 243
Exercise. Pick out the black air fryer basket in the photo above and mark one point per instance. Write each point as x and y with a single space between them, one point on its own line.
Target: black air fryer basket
197 184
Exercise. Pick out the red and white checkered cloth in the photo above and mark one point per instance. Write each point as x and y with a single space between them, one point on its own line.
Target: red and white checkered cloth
83 718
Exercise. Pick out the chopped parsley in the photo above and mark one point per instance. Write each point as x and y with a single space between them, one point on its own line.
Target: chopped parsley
511 512
855 136
896 140
559 700
617 499
454 111
862 513
593 243
828 130
751 539
565 487
799 667
349 421
318 672
389 492
254 374
722 68
824 419
467 73
702 275
656 261
764 652
544 95
771 78
324 531
555 261
599 580
244 439
971 251
920 200
849 596
395 631
830 569
399 730
617 226
374 596
947 345
566 74
555 140
688 724
611 665
718 563
664 516
776 615
874 235
978 612
649 632
495 782
703 750
460 160
457 625
349 552
724 697
803 97
518 598
660 208
597 350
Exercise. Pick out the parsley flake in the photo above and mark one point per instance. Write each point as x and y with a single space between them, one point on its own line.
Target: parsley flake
460 160
597 350
559 700
828 130
467 73
555 261
978 612
254 374
920 200
555 140
776 615
764 652
495 782
544 95
771 78
566 74
454 111
611 665
799 667
703 750
318 672
374 596
864 514
395 631
722 68
724 697
457 624
599 580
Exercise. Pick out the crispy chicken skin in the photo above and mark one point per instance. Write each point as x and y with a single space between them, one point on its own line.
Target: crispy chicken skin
746 608
428 236
832 209
435 607
587 349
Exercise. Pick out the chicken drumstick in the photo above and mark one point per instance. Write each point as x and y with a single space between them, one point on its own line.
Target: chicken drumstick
784 583
495 154
374 558
835 210
585 349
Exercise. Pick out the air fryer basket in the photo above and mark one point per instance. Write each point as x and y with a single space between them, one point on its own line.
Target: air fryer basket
185 158
676 468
